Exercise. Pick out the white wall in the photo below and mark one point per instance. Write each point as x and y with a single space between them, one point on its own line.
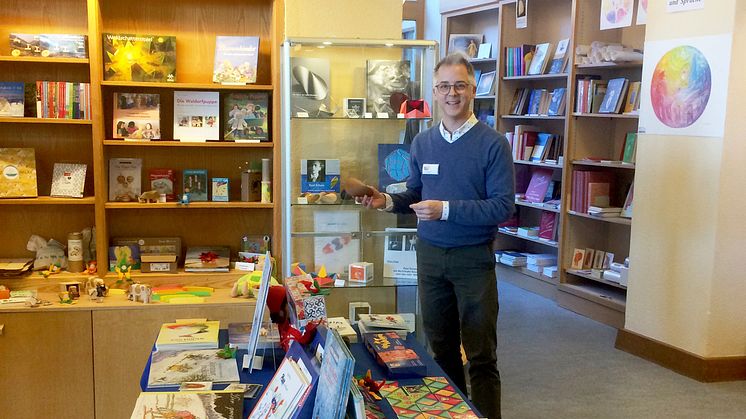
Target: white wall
371 19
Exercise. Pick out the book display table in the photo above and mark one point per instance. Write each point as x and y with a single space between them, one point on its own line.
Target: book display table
363 362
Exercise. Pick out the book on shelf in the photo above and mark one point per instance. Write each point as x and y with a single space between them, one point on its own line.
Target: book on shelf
310 85
528 231
596 95
585 91
171 368
68 180
540 59
632 104
239 334
391 352
548 225
581 195
629 151
188 334
614 97
369 323
541 147
588 258
518 59
60 100
246 116
557 103
18 168
538 104
163 181
519 104
48 45
627 208
235 59
343 327
335 378
207 259
578 256
513 258
560 58
137 116
139 58
537 187
598 194
125 179
189 404
124 252
196 116
550 271
319 175
220 189
12 99
194 181
541 259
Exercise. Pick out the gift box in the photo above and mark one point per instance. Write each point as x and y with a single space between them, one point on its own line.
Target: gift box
303 305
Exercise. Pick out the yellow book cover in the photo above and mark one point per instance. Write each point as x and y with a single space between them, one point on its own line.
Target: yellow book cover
17 173
188 334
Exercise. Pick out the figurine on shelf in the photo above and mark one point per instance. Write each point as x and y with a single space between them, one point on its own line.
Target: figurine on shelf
96 289
53 269
139 292
277 303
124 273
65 298
92 268
150 196
185 197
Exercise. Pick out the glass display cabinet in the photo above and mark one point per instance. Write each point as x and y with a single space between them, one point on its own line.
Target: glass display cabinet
350 108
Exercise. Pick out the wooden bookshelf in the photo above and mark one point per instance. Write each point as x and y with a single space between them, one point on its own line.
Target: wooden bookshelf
536 117
548 243
44 60
617 165
188 86
600 280
191 205
12 120
207 144
48 200
537 77
610 65
605 115
535 205
538 163
613 220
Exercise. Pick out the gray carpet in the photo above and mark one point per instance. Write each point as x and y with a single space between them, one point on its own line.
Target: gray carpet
557 364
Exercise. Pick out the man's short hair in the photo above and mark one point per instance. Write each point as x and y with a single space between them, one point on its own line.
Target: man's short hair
457 58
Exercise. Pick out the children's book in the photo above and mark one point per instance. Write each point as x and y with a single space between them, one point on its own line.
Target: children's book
615 91
207 259
188 334
557 103
68 180
63 45
370 323
632 104
17 173
343 327
11 99
125 182
195 183
392 353
137 116
335 378
540 59
630 148
246 117
239 334
559 61
196 116
192 404
220 192
163 181
146 58
171 368
235 59
25 44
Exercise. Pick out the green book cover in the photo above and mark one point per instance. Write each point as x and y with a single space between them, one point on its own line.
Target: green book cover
628 155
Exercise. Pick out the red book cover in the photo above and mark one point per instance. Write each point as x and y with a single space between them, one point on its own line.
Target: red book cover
546 225
391 352
537 187
163 180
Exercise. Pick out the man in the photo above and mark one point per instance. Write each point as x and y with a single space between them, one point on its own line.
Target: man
461 187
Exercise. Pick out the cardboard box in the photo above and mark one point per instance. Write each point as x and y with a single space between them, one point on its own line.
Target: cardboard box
160 254
361 272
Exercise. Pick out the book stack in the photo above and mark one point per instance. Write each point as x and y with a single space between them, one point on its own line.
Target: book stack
188 334
343 327
590 94
390 351
286 393
590 188
15 267
531 232
372 323
335 378
537 262
604 212
513 258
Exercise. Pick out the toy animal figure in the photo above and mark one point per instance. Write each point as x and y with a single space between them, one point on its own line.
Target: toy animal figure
149 196
124 273
96 289
53 269
139 292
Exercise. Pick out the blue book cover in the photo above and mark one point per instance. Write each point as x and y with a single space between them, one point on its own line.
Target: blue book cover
615 91
557 104
235 59
319 175
542 142
195 182
393 164
534 102
335 378
11 99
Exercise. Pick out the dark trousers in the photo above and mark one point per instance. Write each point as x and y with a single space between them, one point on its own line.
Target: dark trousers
458 300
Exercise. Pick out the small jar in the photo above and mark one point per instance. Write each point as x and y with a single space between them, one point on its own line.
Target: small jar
75 252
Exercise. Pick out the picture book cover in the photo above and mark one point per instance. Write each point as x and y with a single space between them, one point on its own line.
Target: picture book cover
335 378
11 99
68 180
125 184
559 61
391 352
309 85
615 91
137 116
535 101
239 334
235 59
256 243
539 60
557 103
393 164
400 253
630 148
246 116
389 84
171 368
25 45
196 116
541 146
537 187
578 257
283 393
163 181
188 334
145 58
319 175
189 404
18 173
63 45
632 104
124 252
336 252
343 327
194 182
207 259
384 321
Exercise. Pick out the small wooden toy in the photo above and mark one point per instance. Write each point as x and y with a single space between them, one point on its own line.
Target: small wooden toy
96 289
139 292
53 269
92 268
149 196
124 273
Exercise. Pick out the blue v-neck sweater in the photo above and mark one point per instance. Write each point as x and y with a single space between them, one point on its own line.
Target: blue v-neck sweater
474 174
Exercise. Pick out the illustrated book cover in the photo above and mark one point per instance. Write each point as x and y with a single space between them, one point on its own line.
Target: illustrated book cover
68 180
145 58
163 181
559 61
335 378
392 353
540 59
393 164
207 259
48 45
630 148
309 85
125 182
319 175
12 98
191 404
246 117
283 393
235 59
188 334
400 253
615 93
343 327
171 368
18 173
195 183
196 116
137 116
389 84
239 334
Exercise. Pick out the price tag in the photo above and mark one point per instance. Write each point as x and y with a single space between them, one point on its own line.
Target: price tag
368 115
339 282
382 115
302 200
302 114
245 266
400 116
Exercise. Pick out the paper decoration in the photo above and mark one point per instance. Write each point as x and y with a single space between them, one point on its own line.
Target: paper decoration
616 13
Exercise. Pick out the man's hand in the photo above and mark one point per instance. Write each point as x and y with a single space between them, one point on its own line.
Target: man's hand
374 200
428 210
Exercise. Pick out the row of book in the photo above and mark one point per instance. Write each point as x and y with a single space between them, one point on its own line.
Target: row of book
541 263
45 99
607 96
530 144
530 59
538 102
600 264
592 194
547 229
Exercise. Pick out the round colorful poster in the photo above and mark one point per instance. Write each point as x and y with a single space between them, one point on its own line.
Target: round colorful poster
617 12
680 86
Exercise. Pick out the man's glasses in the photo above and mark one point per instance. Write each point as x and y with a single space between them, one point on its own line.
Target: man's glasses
445 88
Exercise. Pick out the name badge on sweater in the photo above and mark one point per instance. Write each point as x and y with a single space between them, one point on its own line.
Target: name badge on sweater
430 169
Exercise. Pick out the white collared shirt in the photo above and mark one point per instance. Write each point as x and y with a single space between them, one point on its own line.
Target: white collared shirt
451 138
